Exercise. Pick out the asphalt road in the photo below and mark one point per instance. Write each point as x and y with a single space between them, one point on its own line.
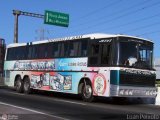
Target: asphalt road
57 106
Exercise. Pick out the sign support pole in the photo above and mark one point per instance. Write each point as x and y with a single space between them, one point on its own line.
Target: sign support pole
16 14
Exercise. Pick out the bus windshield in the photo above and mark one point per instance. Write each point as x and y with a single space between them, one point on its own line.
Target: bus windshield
135 53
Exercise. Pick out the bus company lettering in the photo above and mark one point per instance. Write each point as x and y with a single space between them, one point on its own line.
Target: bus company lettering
99 84
77 64
34 65
105 40
66 38
61 63
136 72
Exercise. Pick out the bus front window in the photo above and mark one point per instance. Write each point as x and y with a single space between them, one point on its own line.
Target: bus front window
135 54
128 53
146 54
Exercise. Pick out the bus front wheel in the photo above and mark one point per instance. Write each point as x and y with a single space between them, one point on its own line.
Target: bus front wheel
26 85
87 92
19 85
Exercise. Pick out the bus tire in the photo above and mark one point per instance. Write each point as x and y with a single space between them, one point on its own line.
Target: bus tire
26 85
19 84
87 92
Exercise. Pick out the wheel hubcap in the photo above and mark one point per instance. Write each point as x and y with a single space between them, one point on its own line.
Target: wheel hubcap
18 85
26 86
87 91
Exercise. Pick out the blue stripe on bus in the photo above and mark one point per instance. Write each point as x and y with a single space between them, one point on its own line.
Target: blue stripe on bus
114 77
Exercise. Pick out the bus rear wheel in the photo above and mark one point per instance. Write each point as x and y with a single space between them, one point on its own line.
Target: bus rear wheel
19 85
26 85
87 92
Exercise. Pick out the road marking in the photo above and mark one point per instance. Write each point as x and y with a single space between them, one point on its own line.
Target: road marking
38 112
16 93
54 99
69 101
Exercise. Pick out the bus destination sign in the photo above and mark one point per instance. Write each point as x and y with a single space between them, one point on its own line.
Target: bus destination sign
56 18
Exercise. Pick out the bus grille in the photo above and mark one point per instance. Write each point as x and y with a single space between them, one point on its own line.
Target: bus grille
137 80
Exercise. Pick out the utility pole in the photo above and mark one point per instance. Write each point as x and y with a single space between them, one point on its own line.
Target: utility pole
41 33
17 13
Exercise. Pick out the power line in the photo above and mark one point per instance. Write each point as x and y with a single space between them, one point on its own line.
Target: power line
152 32
115 13
100 9
124 15
132 22
142 27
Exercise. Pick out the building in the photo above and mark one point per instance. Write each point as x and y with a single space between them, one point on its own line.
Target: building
2 54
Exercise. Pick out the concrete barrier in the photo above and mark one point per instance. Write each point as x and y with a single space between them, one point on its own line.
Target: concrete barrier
158 97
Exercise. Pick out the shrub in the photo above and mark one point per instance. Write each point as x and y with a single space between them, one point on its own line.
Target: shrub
158 83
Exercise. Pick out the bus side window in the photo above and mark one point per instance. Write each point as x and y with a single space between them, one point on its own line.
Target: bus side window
83 48
42 51
10 54
29 52
94 54
73 49
35 51
64 49
20 53
105 54
56 49
49 50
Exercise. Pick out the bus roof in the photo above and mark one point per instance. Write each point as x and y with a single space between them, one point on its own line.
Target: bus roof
90 36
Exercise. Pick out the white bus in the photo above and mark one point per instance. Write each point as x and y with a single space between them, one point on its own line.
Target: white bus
90 65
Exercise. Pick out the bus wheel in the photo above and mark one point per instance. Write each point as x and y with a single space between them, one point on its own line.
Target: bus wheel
26 85
87 92
19 85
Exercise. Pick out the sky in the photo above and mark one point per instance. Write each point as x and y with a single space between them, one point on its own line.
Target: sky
131 17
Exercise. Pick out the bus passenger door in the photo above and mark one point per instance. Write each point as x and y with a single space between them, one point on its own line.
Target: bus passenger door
105 61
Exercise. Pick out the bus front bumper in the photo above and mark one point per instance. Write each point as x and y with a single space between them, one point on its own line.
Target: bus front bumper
130 91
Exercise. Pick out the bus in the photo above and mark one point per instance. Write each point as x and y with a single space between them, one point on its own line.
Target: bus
90 65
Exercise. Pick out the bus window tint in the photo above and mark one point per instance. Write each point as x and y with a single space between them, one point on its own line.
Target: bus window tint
56 49
49 50
34 52
94 54
29 52
105 54
83 48
42 53
95 49
64 49
17 53
20 53
73 49
10 54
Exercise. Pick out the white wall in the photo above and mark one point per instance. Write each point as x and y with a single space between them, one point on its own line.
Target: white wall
157 67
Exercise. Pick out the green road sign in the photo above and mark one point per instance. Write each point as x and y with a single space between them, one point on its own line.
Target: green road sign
56 18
